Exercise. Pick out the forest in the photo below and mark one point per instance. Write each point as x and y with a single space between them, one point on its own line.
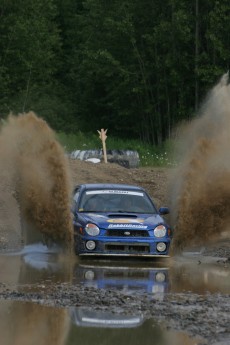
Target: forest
136 67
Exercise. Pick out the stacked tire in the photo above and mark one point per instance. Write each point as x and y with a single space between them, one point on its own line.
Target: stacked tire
126 158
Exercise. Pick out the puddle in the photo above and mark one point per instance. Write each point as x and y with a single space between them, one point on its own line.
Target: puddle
37 264
128 278
27 323
37 268
154 278
199 275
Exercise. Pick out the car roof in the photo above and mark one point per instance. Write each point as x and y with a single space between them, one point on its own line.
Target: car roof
109 186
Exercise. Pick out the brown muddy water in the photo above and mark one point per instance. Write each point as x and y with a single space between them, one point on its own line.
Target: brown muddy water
200 188
32 312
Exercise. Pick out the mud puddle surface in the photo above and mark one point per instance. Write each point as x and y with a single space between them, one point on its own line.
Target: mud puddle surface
184 300
27 323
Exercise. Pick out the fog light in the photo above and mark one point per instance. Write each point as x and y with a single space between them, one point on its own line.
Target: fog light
161 246
90 245
89 275
160 277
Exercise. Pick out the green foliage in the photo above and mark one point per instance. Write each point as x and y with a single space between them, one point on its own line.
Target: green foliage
79 141
29 47
149 155
135 67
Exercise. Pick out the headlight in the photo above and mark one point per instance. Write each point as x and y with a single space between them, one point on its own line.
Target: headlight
158 288
160 231
92 229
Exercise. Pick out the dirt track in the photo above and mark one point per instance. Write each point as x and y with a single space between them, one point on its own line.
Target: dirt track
35 175
155 180
205 316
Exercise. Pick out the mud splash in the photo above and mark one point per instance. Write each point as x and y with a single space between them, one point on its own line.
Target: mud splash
201 185
34 175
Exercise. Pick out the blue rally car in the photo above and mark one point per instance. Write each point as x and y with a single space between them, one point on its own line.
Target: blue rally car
118 220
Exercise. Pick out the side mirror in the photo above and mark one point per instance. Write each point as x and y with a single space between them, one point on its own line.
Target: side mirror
164 210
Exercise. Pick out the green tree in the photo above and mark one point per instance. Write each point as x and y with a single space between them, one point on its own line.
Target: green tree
29 49
135 67
123 65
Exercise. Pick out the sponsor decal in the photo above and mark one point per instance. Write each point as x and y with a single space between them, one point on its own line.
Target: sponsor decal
125 220
114 191
129 226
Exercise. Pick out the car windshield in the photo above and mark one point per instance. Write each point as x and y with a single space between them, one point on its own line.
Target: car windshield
116 201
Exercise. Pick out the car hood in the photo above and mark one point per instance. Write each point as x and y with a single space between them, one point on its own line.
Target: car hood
124 220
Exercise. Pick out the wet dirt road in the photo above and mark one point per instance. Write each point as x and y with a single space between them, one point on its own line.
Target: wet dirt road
50 298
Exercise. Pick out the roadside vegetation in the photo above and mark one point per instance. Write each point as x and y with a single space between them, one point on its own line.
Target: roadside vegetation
150 155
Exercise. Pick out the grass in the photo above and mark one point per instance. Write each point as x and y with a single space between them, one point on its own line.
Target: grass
149 155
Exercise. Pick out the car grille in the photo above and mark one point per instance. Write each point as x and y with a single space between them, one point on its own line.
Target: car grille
126 274
127 286
128 233
127 248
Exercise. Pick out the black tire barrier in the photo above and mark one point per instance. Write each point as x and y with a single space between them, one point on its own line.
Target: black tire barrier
126 158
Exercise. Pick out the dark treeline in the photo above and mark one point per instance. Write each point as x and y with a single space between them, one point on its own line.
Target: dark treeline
137 67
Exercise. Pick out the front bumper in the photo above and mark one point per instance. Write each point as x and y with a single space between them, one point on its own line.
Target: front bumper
123 254
121 247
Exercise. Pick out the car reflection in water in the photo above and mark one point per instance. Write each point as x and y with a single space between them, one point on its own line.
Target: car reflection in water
83 325
133 277
129 278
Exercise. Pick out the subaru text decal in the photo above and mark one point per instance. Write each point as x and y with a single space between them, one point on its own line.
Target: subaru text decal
128 225
125 220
